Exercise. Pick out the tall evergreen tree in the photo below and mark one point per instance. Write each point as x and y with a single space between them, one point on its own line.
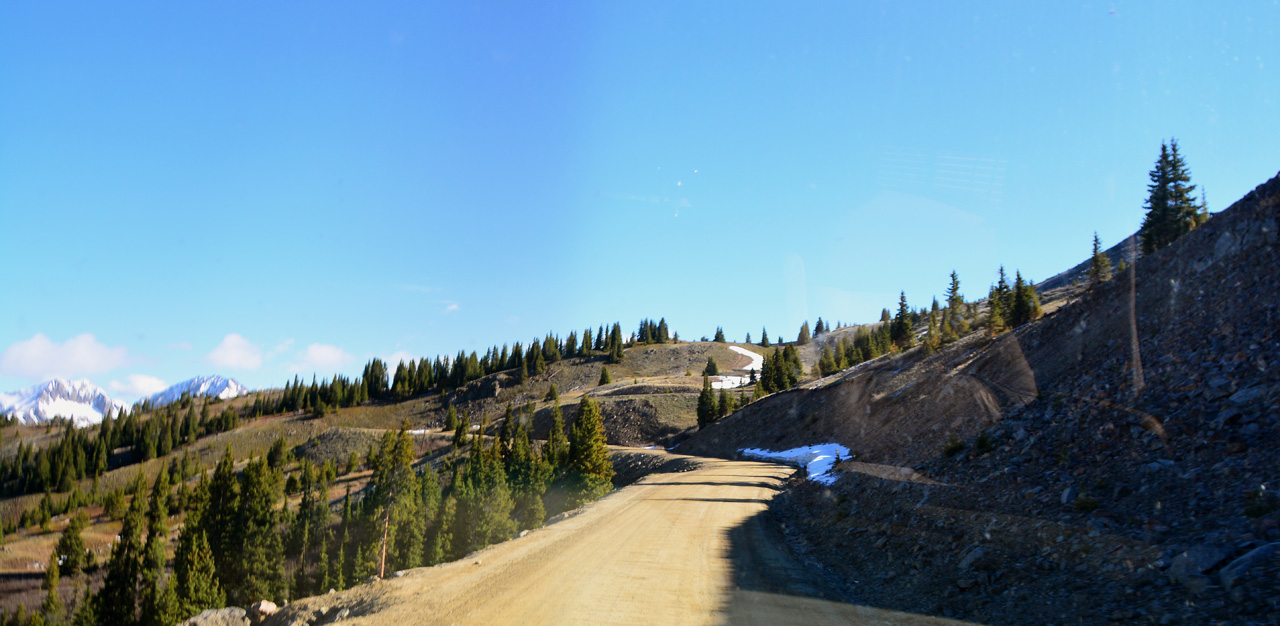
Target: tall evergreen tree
1099 264
71 550
557 450
52 607
803 338
588 455
394 501
719 338
117 601
527 475
900 332
261 555
1171 207
220 520
706 404
1026 303
764 338
956 317
615 344
193 571
604 376
159 603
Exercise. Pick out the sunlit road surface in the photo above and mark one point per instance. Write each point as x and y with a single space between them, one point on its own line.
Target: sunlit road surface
684 548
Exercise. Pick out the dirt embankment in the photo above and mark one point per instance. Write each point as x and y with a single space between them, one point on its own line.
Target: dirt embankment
1114 462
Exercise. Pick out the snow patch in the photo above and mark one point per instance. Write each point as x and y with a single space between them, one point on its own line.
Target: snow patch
817 460
733 382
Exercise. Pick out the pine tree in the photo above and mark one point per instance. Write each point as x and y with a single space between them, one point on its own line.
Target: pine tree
394 503
1099 264
604 377
803 338
932 336
117 601
460 433
997 316
220 519
712 368
557 450
440 542
193 572
527 475
900 332
261 555
588 455
1171 207
827 362
764 338
955 307
725 405
1026 303
706 404
719 338
71 550
451 418
615 345
159 603
52 607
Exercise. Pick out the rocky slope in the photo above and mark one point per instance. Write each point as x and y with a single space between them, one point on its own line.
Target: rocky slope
1115 461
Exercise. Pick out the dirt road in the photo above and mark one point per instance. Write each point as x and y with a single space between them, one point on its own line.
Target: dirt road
695 547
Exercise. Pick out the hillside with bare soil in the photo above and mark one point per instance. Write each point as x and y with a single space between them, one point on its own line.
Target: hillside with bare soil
1113 462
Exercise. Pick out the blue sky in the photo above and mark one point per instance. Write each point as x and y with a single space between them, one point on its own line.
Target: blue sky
260 190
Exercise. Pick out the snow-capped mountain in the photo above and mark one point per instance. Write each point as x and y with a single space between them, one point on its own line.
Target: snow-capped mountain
80 400
211 386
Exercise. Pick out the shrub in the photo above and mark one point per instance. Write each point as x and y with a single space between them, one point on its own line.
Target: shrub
984 443
954 446
1085 504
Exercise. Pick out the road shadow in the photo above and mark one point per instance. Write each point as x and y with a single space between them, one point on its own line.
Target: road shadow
732 500
760 485
771 585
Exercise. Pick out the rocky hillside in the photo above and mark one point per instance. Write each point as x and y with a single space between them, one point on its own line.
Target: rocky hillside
1115 461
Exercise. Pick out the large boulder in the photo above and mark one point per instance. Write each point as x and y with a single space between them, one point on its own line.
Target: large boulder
229 616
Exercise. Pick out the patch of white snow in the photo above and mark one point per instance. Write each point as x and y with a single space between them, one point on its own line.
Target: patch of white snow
733 382
817 460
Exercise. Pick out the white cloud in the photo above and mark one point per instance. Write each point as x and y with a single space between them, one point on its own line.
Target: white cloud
236 352
39 357
279 349
139 385
319 357
451 307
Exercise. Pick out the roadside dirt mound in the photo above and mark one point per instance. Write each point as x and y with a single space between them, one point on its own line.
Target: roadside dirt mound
1126 470
630 422
893 410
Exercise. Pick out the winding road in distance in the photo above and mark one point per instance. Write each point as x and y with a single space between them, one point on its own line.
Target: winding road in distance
694 547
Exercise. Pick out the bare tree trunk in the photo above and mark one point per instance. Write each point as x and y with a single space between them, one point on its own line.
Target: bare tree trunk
386 526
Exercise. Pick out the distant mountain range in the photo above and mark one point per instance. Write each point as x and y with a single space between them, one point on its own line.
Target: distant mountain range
80 400
85 403
211 386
